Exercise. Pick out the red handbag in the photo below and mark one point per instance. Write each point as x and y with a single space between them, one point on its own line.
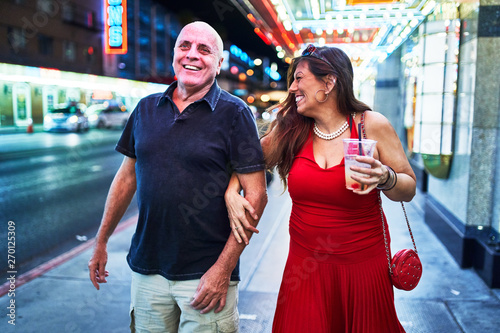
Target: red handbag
405 267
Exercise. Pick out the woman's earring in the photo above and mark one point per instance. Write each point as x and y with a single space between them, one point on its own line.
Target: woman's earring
316 98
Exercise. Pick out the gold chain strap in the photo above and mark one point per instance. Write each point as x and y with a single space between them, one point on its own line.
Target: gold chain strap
387 252
409 228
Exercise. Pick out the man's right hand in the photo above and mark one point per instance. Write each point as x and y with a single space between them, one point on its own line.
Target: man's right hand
97 266
120 194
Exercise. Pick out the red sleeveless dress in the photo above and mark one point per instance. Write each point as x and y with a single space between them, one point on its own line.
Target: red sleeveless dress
336 278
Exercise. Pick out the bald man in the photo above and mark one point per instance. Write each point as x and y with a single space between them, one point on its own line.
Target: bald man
180 148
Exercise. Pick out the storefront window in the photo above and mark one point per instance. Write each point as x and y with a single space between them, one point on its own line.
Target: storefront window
21 99
431 90
49 98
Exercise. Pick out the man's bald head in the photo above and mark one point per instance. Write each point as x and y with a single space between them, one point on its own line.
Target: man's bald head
206 30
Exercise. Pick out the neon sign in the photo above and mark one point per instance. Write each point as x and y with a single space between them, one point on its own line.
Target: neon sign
115 26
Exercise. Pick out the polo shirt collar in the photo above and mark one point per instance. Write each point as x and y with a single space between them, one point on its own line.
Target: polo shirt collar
211 97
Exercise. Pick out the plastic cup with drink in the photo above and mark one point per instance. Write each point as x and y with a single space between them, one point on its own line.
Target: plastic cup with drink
353 148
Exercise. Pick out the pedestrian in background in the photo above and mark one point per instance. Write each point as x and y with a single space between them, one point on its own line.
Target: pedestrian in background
181 148
336 277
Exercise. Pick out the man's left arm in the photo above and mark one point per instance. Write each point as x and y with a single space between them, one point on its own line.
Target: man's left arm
212 290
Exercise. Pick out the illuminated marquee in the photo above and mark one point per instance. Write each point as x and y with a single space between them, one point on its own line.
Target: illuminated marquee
115 26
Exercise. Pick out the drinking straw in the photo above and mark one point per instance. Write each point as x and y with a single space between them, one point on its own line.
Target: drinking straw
360 148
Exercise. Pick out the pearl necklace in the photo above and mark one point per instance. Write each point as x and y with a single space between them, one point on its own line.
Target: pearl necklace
333 135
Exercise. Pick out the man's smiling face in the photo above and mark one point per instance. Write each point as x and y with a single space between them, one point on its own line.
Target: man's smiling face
197 55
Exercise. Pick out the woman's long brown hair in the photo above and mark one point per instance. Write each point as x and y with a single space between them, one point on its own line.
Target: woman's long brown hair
291 129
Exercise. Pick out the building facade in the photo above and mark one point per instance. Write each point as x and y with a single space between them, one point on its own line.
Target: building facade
92 52
48 36
441 91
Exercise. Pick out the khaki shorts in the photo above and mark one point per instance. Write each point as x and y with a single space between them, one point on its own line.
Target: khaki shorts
161 305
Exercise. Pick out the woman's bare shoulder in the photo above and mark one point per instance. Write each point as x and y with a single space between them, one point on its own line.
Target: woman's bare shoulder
376 118
377 125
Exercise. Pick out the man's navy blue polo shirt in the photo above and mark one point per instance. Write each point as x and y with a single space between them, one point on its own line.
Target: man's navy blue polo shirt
183 165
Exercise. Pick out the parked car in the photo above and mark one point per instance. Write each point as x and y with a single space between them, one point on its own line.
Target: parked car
107 116
66 118
92 113
113 116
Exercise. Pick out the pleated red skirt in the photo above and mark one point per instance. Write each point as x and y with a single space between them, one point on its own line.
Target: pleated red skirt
336 298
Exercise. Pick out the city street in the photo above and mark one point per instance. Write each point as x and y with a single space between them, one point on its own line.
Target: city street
447 300
420 77
54 188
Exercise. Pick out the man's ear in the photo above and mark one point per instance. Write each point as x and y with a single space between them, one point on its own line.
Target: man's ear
330 82
219 66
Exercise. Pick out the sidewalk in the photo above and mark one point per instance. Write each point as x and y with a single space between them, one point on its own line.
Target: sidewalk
448 299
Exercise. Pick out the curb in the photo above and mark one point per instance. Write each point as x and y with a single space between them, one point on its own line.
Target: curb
61 259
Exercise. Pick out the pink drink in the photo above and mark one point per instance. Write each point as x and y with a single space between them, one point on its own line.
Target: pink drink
353 148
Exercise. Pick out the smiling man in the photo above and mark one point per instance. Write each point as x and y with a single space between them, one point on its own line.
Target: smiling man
181 148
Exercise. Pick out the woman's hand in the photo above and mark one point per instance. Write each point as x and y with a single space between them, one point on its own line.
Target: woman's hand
237 206
372 177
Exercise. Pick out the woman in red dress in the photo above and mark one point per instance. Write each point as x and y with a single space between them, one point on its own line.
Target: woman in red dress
336 277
